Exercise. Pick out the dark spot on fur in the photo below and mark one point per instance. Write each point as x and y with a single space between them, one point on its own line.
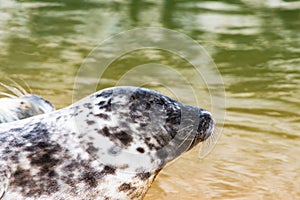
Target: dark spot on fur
101 103
105 131
7 150
90 179
126 187
71 167
17 142
140 149
15 130
90 122
88 105
75 110
144 175
92 149
52 173
103 116
58 118
105 94
105 105
108 170
24 180
124 137
44 155
15 156
150 145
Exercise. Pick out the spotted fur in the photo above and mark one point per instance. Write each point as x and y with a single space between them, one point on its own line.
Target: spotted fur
109 145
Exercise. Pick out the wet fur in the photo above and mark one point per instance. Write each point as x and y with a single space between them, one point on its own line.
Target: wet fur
110 145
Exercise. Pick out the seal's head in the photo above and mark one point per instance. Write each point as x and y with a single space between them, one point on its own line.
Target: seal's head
142 129
16 108
18 104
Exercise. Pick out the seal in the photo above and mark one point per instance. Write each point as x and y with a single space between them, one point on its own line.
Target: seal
109 145
20 104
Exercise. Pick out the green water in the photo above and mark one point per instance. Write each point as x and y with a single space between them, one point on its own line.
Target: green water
255 44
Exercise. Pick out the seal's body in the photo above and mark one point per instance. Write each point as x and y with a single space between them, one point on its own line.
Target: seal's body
109 145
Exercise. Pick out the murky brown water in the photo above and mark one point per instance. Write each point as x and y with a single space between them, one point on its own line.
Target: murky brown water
255 44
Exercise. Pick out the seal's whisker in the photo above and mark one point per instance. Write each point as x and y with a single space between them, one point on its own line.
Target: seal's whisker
208 145
19 87
210 141
7 95
191 120
184 128
186 138
27 85
12 89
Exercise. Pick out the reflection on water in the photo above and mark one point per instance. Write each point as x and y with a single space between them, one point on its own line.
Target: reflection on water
255 44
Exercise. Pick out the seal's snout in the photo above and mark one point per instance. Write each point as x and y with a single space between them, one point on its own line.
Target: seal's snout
204 130
206 126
